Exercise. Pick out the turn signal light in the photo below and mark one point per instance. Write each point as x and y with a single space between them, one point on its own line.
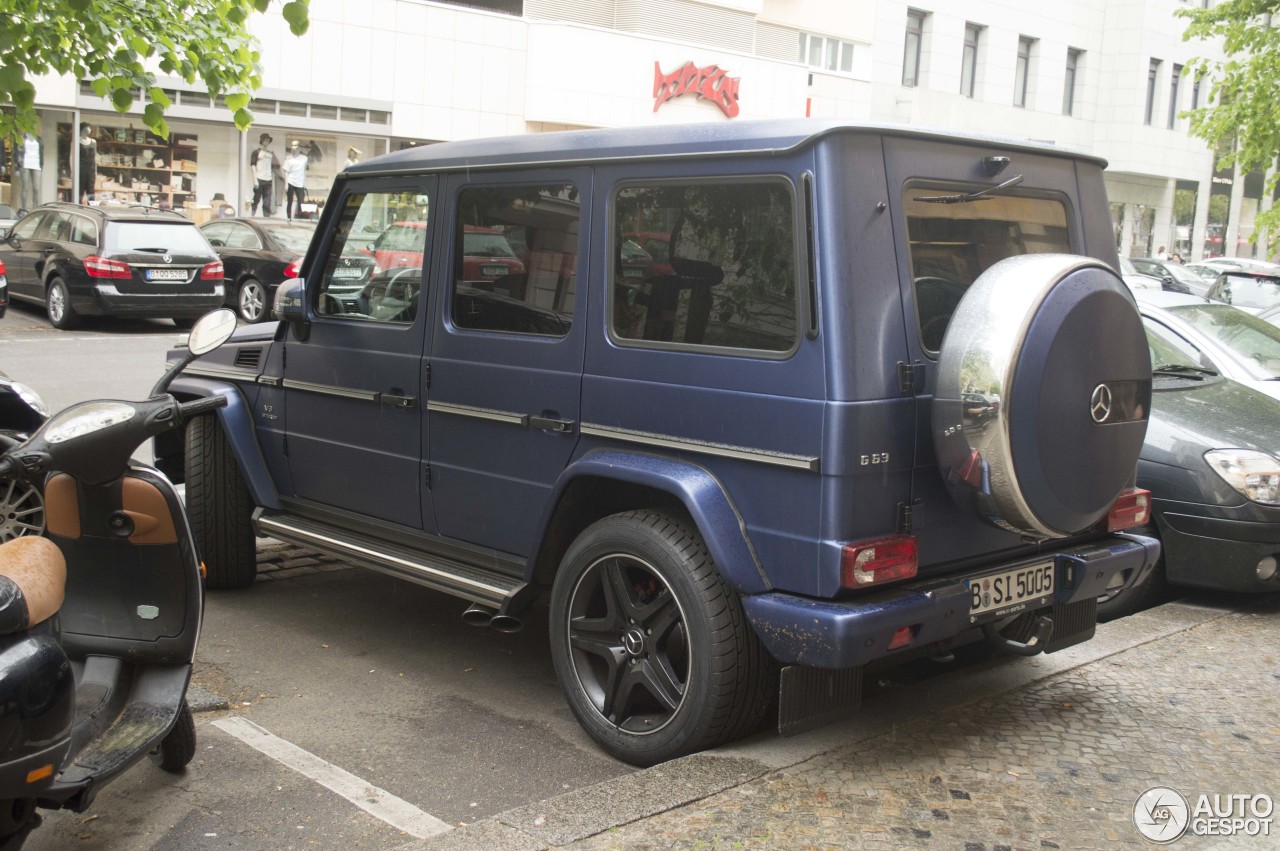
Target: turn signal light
101 267
877 562
1131 508
212 271
37 774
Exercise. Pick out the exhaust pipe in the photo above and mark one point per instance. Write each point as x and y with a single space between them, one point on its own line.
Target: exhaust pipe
478 615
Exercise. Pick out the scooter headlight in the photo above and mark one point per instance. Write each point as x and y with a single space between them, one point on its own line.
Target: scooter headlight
31 397
86 419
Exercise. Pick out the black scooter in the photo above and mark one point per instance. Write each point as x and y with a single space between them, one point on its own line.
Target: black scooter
98 619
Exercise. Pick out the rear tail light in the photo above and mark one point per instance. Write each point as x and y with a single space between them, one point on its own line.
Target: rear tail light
877 562
101 267
212 271
1131 508
1 267
291 271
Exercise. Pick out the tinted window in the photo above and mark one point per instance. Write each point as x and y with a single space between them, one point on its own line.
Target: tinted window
26 229
56 227
83 231
293 238
217 233
516 259
240 236
951 243
362 281
142 236
717 266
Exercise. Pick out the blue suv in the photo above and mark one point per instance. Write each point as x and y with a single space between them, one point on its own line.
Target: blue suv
743 464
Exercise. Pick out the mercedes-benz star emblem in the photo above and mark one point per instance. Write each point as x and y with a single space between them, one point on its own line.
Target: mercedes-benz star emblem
1100 404
168 258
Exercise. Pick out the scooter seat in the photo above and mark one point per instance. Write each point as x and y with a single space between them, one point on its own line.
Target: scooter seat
33 582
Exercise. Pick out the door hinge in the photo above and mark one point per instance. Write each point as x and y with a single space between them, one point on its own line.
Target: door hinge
905 512
426 375
910 377
426 477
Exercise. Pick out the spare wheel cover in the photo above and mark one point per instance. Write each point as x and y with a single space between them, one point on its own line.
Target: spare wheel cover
1057 338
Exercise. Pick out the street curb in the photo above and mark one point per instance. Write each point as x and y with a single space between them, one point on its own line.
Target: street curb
592 810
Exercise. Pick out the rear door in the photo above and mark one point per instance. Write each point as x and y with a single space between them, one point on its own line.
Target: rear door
506 358
354 389
20 252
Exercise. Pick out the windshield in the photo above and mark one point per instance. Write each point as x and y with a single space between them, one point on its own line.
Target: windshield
1250 291
1164 352
486 245
1254 342
155 236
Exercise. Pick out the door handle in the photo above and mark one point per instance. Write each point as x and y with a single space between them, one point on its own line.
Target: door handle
551 424
397 401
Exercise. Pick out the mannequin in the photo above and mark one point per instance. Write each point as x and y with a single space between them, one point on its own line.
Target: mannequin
88 162
264 165
353 156
295 178
30 157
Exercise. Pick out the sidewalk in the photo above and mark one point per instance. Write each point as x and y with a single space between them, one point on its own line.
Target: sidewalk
1045 753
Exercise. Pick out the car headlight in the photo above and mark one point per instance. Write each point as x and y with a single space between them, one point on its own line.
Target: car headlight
1255 475
31 397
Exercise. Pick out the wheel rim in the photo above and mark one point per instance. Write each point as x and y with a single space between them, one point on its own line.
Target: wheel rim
628 644
252 300
21 510
57 303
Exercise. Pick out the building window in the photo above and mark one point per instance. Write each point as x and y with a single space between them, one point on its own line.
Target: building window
1195 91
969 63
1173 95
829 54
1022 71
1069 86
1153 71
911 51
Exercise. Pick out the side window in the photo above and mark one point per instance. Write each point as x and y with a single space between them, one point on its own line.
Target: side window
83 231
516 259
217 233
56 227
240 236
952 241
706 264
373 270
26 229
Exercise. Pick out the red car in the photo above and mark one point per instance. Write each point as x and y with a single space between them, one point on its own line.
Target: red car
486 253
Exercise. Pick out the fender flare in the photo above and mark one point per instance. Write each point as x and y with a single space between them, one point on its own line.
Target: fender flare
717 519
237 425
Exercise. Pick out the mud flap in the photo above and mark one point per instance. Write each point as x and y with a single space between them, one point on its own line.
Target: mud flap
1072 624
811 697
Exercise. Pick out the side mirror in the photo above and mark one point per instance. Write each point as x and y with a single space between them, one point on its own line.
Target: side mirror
211 330
4 231
290 307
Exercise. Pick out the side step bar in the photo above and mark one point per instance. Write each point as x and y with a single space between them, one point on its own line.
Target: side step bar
470 583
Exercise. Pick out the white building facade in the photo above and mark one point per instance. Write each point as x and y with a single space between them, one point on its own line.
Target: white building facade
1103 76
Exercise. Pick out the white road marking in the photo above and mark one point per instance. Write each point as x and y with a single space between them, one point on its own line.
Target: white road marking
379 803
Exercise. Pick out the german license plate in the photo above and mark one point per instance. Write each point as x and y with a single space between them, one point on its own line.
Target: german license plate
346 273
166 274
495 271
1011 591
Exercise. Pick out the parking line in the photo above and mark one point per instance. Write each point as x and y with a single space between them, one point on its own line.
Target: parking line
377 802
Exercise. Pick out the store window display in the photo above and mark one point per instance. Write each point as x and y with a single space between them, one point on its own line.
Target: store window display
264 165
30 159
88 147
295 178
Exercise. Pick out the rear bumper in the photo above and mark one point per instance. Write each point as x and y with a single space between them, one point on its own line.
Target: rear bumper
847 633
106 300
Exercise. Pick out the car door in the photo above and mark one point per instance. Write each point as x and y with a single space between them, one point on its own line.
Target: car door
354 389
506 355
20 251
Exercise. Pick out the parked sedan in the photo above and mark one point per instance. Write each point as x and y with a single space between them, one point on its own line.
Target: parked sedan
8 217
257 255
1209 462
1230 341
1247 290
1173 277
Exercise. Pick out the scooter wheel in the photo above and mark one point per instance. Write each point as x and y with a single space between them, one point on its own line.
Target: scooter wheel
179 746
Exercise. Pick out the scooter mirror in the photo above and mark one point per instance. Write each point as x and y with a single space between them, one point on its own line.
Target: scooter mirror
211 330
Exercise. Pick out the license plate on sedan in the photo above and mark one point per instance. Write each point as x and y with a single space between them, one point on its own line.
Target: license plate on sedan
166 274
1011 591
346 273
495 271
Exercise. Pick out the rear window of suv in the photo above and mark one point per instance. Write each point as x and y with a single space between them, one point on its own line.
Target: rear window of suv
144 236
952 242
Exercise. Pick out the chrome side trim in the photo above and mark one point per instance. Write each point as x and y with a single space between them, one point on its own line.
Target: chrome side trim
742 453
478 413
330 390
447 578
229 373
270 380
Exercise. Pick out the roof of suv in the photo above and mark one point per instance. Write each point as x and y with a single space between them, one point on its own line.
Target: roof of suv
133 213
768 136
